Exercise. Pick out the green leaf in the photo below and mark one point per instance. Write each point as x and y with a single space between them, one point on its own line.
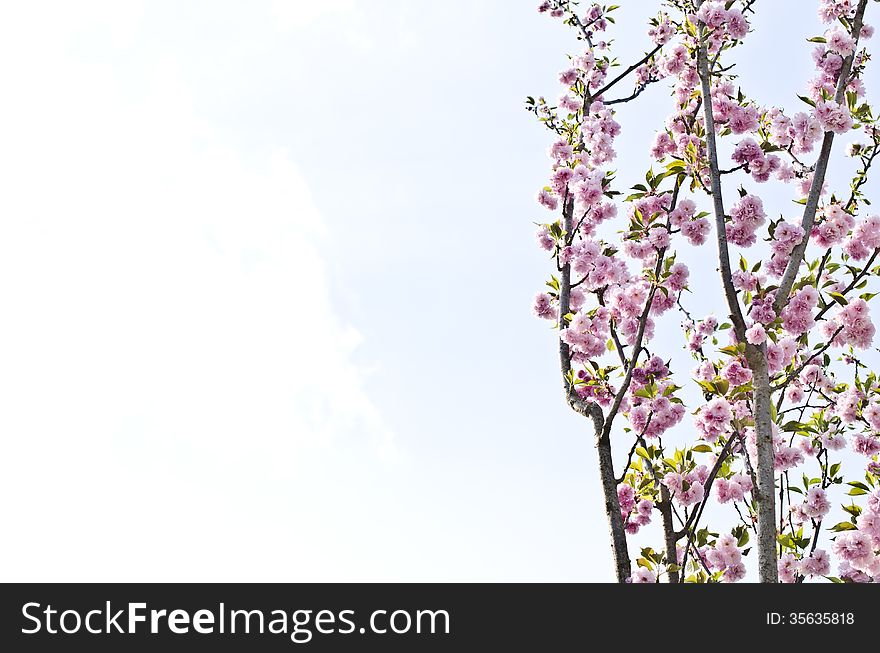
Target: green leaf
842 526
702 448
807 100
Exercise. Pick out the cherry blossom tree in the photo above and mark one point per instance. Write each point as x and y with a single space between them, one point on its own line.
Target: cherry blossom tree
775 435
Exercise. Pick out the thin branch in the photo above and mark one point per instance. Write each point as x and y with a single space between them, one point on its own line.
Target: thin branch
809 217
718 201
791 377
626 72
707 487
861 275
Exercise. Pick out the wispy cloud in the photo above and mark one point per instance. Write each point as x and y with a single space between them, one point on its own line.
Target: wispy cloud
171 360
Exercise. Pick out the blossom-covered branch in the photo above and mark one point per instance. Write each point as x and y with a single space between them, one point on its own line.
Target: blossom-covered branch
618 252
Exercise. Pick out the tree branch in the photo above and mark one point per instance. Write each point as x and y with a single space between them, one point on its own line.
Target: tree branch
809 217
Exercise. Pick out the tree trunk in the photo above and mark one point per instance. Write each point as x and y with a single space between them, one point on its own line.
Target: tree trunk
765 493
592 410
619 547
670 538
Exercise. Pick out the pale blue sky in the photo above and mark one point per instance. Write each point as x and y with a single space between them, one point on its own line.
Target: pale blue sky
267 270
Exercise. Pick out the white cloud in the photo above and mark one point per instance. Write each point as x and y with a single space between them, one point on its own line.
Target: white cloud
171 365
301 14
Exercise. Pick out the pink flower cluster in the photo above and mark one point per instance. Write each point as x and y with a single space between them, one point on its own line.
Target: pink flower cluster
727 110
854 322
748 281
857 549
834 226
544 239
586 335
643 575
786 237
589 263
816 504
699 333
736 373
847 405
834 117
733 489
865 238
756 334
831 10
635 513
673 63
726 557
652 417
815 564
687 489
626 304
599 130
748 153
797 317
866 444
543 307
840 42
716 16
780 354
694 229
747 216
662 31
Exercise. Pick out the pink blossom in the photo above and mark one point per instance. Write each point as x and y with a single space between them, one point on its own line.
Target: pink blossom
544 239
762 310
747 151
737 25
833 441
857 328
787 567
570 103
568 77
643 575
695 231
543 307
662 32
834 117
797 317
866 445
712 14
736 373
546 199
795 394
831 10
816 564
816 504
840 42
734 489
854 547
756 334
